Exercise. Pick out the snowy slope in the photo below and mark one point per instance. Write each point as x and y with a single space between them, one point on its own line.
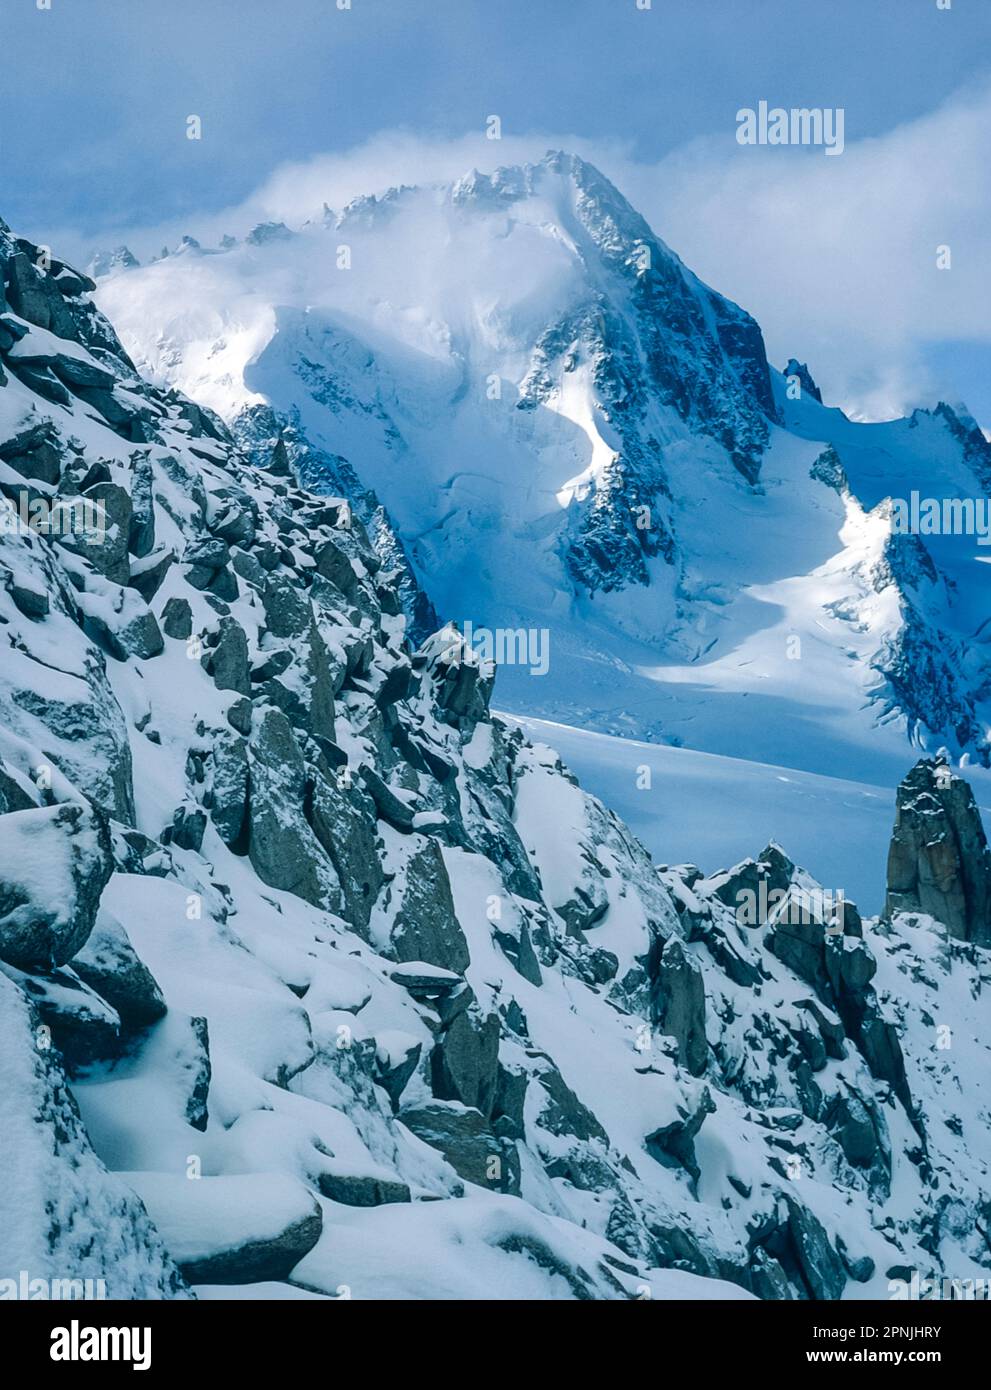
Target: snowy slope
572 433
345 988
686 806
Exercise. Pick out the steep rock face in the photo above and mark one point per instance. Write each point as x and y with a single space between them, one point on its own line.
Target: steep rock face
363 943
704 355
927 674
939 862
680 1005
651 334
911 581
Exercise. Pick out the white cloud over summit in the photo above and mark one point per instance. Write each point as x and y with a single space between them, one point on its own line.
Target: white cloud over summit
836 258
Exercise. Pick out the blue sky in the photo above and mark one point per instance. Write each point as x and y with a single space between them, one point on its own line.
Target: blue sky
97 92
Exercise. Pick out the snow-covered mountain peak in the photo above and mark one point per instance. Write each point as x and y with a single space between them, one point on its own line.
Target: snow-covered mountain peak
104 263
570 430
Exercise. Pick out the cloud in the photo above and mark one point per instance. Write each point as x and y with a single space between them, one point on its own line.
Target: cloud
835 257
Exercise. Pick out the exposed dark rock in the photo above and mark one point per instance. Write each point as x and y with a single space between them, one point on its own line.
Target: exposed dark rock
14 796
357 1190
464 1063
34 453
820 1266
849 965
141 535
510 1100
283 849
520 951
34 296
228 660
882 1051
109 554
125 627
426 926
148 574
939 861
426 983
229 788
856 1127
678 1005
31 601
860 1269
464 1138
829 1027
345 830
287 613
562 1112
82 1025
177 619
801 371
768 1279
193 1059
303 686
388 805
333 564
798 939
187 828
674 1144
462 683
393 1073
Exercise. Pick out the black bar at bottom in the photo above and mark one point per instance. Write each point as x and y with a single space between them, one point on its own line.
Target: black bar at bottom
747 1336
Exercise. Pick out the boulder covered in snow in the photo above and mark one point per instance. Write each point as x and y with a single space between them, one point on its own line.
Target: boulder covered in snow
63 1216
235 1229
54 864
109 964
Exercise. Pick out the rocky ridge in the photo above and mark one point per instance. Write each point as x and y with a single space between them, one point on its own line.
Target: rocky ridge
312 971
